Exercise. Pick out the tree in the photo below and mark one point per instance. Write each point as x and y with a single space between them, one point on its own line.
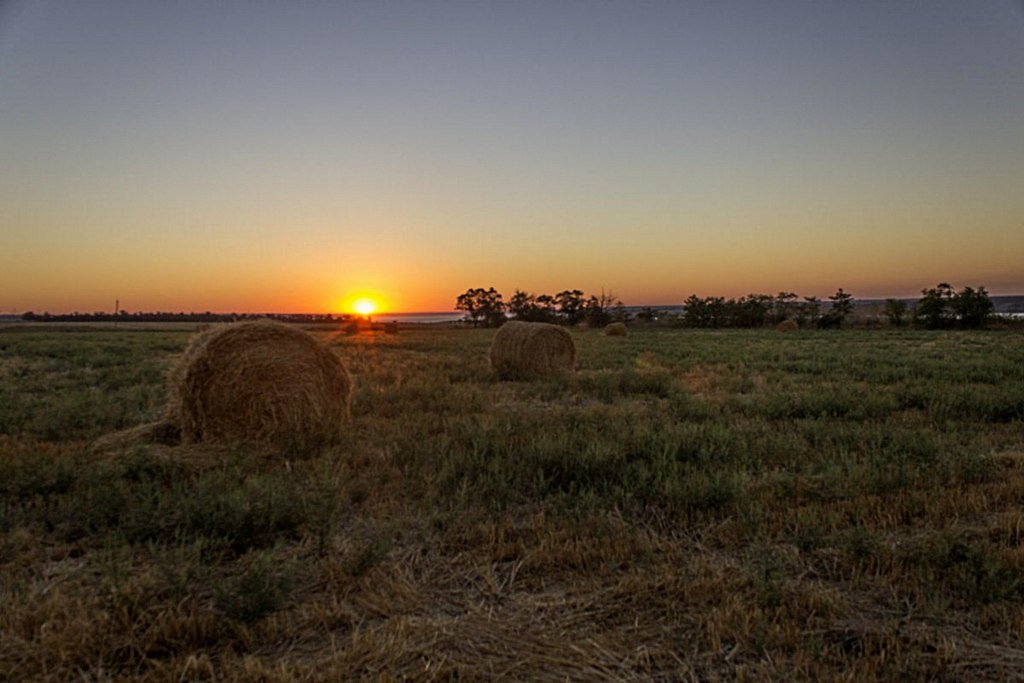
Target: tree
695 313
784 306
532 308
603 309
749 311
842 306
572 307
894 311
482 305
523 306
706 312
809 311
842 303
972 307
934 308
546 308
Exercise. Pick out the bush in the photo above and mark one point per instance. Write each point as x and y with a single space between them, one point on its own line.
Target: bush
942 307
972 308
895 310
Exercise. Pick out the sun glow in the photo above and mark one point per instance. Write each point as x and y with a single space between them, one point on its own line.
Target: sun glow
364 306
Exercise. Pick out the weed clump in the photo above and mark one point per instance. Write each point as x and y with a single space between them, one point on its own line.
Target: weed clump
257 592
529 350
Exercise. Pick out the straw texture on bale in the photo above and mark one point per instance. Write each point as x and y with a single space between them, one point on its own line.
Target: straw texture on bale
616 330
527 350
259 381
788 325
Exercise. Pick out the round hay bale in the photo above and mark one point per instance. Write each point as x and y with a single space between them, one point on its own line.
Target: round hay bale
616 330
528 350
259 381
788 325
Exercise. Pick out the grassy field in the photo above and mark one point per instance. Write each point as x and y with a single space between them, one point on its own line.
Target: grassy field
734 505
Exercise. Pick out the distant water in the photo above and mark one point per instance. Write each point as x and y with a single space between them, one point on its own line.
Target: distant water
434 317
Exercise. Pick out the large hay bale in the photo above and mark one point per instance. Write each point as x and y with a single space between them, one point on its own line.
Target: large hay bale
258 381
616 330
788 325
527 350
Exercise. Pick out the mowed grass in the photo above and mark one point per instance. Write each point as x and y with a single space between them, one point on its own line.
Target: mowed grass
733 505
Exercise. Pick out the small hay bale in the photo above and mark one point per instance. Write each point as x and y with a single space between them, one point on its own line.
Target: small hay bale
527 350
616 330
259 381
788 325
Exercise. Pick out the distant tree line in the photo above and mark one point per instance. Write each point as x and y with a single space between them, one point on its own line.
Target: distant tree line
759 310
488 308
940 307
169 317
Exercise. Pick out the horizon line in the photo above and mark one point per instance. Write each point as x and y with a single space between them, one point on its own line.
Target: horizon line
679 304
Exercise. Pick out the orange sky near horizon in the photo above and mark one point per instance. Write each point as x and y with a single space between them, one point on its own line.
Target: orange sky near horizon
328 279
399 258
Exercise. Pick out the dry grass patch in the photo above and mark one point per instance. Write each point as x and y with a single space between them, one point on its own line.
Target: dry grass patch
702 379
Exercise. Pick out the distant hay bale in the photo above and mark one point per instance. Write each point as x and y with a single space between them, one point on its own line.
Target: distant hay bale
258 381
526 350
788 325
616 330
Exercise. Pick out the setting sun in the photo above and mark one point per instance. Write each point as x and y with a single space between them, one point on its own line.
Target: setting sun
364 306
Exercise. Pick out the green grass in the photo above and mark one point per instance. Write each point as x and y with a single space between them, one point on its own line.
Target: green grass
732 504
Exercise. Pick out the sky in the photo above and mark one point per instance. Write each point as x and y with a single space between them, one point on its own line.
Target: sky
292 156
